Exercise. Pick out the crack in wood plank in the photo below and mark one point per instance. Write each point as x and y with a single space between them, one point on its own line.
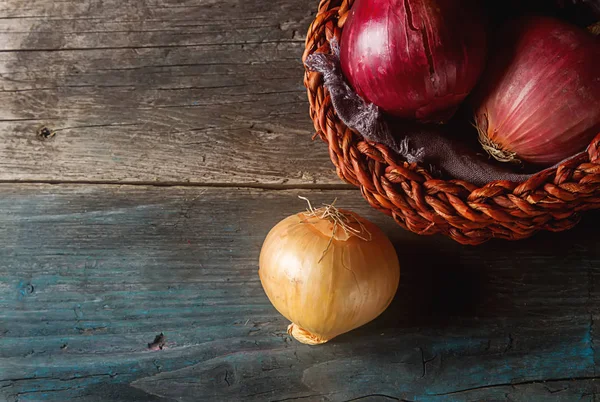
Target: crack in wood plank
514 384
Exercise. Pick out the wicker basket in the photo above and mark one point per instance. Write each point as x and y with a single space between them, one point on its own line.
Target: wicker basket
551 200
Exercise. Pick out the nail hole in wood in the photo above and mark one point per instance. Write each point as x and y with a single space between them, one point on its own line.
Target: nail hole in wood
44 133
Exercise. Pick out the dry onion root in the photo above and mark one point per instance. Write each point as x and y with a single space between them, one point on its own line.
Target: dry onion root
328 271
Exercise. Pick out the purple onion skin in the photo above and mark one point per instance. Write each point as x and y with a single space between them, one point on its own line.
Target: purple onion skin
539 101
415 59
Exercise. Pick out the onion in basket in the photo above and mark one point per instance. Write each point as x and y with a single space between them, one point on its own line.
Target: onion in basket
414 58
540 100
328 271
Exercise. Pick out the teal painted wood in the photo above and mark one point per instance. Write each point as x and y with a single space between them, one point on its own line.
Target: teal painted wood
90 275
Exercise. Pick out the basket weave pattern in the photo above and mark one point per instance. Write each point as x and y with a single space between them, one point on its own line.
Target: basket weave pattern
551 200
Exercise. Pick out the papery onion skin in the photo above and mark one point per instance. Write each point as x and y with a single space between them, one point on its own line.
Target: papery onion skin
540 100
415 59
354 282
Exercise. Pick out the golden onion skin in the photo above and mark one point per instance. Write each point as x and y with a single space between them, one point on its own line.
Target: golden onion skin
353 283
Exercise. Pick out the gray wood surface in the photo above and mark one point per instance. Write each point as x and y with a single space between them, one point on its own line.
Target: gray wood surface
157 91
177 134
90 275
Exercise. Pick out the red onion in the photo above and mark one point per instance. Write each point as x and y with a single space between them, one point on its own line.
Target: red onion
414 58
540 101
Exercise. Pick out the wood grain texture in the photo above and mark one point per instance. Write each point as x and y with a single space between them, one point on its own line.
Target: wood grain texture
89 275
157 91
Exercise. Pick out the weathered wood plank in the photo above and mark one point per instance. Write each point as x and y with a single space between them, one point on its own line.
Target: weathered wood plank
90 275
161 91
51 25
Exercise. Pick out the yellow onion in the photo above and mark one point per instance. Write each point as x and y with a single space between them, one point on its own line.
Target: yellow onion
328 271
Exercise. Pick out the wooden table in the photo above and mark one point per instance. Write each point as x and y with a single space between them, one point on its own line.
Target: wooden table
146 148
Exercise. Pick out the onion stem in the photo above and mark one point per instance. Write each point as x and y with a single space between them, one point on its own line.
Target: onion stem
339 219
